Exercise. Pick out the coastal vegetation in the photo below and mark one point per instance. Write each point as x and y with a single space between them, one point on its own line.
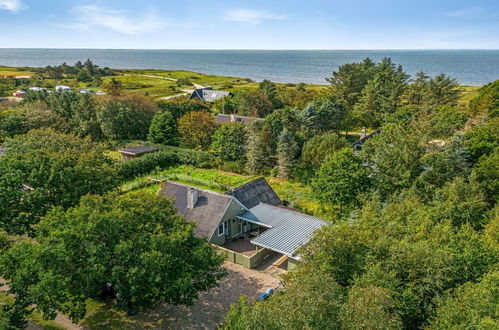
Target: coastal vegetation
412 241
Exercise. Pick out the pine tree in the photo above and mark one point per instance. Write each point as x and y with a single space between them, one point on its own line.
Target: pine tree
287 150
163 129
259 151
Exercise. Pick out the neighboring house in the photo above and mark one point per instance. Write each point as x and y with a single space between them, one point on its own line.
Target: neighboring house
207 94
37 89
134 152
357 146
247 223
226 119
62 88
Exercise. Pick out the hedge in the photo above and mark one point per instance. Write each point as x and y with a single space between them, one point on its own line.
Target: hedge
164 158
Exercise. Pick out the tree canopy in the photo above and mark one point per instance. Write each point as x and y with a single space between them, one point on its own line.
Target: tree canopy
132 247
44 168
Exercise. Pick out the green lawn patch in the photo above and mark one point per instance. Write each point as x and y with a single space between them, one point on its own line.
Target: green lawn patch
35 317
297 194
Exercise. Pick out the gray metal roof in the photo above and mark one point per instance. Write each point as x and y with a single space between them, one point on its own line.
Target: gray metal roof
255 192
137 150
206 213
198 93
208 94
289 230
212 95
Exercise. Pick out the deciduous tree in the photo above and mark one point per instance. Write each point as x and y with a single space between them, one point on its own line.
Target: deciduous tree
133 247
229 143
196 129
44 168
341 179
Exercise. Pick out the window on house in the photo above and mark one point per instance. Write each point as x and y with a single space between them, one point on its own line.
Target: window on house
221 229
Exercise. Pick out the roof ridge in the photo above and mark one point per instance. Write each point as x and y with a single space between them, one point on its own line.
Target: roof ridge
287 208
247 183
200 189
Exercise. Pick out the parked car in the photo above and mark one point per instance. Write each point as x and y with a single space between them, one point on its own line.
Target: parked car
86 91
100 93
19 93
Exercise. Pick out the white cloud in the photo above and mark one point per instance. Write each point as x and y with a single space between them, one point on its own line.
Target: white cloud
251 16
12 5
471 13
88 17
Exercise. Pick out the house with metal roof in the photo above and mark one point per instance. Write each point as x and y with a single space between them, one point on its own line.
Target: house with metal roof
247 223
208 94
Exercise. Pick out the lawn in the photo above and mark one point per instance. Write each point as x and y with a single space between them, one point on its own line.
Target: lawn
467 93
297 194
154 87
35 317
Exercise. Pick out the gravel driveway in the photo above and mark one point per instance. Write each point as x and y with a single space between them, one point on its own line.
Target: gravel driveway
209 311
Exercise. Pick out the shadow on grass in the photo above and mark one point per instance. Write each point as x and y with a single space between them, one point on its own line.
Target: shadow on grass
104 316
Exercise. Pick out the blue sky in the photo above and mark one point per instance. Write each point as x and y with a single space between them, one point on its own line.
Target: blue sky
256 24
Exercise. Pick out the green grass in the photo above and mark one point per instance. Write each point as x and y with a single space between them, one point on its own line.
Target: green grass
35 317
153 86
467 93
297 194
210 179
103 316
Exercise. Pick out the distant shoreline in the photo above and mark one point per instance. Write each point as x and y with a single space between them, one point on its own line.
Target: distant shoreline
470 67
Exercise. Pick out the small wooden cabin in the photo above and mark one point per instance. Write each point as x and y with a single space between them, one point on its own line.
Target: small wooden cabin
134 152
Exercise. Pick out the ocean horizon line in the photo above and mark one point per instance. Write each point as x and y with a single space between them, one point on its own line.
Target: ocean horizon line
261 49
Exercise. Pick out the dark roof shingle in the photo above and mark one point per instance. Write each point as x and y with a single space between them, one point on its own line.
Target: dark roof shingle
137 150
206 213
255 192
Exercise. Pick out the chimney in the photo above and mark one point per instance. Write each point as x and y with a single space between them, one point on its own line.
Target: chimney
233 117
363 133
192 198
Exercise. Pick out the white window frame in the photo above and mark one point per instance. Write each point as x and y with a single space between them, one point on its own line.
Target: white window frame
221 225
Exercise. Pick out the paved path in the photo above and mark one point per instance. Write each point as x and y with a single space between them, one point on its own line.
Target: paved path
173 96
151 76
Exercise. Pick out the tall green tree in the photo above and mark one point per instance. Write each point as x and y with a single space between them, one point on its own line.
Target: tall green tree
254 103
471 306
260 157
287 153
134 247
382 94
44 168
482 139
126 117
351 79
163 129
319 148
270 90
340 180
229 143
428 91
324 116
487 102
196 129
113 87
